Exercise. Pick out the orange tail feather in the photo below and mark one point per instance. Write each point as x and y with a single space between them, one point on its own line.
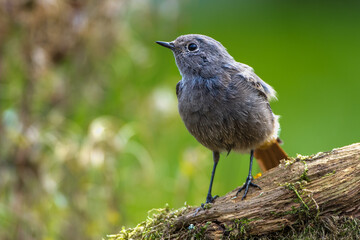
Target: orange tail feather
269 155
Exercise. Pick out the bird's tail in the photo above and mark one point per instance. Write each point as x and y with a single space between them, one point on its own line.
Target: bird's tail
269 155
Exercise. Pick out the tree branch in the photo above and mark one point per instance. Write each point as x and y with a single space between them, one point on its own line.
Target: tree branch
322 185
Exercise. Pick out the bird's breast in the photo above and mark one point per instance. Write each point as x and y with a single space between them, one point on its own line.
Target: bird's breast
199 96
221 123
204 112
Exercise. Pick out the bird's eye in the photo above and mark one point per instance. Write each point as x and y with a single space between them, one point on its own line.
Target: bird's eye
192 47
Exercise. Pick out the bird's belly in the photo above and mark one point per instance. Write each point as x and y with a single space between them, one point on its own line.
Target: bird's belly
220 129
207 129
223 125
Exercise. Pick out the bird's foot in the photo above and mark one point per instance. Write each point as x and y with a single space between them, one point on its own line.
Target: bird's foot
209 199
246 186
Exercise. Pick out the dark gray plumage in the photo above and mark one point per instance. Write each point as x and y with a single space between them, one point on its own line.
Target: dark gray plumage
223 103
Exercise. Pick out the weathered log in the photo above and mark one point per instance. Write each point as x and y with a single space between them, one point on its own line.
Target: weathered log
325 184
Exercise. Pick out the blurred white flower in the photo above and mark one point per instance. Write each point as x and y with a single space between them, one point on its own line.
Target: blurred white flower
164 101
49 184
97 157
102 129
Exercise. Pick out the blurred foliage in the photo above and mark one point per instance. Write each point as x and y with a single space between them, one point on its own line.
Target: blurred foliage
90 137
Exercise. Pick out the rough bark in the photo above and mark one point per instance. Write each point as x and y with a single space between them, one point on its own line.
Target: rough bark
325 184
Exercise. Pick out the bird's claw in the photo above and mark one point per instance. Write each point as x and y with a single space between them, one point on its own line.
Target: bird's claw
210 199
246 186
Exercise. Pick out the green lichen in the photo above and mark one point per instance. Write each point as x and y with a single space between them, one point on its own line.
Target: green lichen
207 206
290 161
309 209
318 154
242 225
153 227
330 173
303 211
302 157
201 233
196 232
292 187
299 190
304 175
326 228
238 229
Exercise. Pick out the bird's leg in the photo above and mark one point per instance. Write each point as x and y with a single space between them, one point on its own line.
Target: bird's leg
248 179
210 198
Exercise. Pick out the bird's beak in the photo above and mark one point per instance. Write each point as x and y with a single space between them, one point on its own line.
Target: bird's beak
169 45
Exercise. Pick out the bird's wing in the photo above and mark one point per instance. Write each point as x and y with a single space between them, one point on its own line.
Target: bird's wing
178 89
245 73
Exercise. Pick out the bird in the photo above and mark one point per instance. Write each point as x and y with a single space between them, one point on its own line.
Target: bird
225 105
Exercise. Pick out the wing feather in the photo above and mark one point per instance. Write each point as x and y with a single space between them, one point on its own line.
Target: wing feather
243 72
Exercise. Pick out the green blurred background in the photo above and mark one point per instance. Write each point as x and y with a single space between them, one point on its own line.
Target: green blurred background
90 136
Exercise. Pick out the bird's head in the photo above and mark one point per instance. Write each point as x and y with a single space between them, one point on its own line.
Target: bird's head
197 54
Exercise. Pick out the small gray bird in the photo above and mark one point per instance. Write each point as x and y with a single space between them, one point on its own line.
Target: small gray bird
224 104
